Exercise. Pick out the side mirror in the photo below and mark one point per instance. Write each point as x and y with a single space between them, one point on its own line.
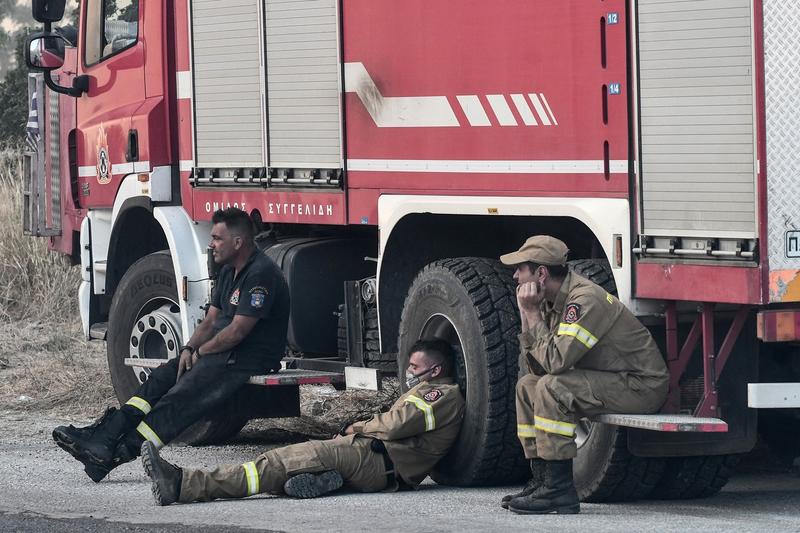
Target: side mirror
45 11
45 52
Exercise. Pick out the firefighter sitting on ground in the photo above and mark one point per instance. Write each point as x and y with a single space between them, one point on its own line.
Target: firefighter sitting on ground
587 353
391 450
243 334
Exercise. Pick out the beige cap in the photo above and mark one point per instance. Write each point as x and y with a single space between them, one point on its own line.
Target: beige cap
540 249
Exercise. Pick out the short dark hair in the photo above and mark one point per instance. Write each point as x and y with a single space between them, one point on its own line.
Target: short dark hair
437 350
556 271
237 222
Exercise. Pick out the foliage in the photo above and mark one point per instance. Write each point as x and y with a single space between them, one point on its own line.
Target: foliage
14 95
35 284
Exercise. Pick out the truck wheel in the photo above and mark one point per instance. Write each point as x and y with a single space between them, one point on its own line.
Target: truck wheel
604 469
694 477
144 322
470 303
372 348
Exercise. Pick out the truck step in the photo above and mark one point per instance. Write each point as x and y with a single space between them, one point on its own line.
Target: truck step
668 423
295 376
282 377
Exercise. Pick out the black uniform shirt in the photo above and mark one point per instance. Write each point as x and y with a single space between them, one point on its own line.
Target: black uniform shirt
259 290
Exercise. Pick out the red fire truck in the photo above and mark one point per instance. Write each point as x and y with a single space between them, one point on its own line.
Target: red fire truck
391 151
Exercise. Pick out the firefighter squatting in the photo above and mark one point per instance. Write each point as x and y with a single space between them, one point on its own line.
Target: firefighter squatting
586 354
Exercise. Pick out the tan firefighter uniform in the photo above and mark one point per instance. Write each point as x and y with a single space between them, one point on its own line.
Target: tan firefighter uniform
417 431
592 356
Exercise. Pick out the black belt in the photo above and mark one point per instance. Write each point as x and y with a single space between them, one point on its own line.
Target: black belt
392 476
389 466
378 446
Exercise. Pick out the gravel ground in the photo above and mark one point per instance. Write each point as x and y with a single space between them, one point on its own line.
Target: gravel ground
43 489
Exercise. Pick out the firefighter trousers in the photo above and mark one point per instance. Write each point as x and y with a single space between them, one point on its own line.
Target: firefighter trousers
163 406
550 406
361 468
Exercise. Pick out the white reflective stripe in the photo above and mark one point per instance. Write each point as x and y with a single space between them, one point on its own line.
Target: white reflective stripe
397 111
552 115
87 172
524 109
554 426
501 110
253 482
525 430
473 109
579 332
184 84
130 168
577 166
148 433
427 409
539 109
139 403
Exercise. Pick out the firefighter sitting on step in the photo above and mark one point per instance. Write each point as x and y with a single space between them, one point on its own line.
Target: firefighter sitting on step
391 450
243 334
587 354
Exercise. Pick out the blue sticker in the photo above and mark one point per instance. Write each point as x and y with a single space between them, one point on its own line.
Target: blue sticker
365 220
257 300
612 18
614 88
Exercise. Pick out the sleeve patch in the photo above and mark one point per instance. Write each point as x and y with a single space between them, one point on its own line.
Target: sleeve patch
433 395
572 313
257 300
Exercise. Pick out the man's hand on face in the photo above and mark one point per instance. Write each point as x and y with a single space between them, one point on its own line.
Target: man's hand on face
529 297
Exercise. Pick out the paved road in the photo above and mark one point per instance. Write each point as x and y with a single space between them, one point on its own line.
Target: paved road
43 489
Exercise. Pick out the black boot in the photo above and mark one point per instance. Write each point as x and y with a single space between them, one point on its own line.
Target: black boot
313 485
166 477
558 495
536 481
95 445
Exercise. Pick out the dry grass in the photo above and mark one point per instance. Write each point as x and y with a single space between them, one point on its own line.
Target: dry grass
49 367
44 362
324 410
34 284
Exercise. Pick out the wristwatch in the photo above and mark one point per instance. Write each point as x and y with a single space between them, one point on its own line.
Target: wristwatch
197 353
187 347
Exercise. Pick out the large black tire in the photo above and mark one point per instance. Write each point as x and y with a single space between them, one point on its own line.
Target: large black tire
604 469
470 302
694 477
372 347
148 291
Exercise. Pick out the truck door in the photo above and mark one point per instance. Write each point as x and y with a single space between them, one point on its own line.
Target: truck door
697 128
112 55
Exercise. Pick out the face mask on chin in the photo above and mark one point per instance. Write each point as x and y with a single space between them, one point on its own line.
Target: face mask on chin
414 380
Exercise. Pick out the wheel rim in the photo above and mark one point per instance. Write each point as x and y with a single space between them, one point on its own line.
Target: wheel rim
440 326
156 334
